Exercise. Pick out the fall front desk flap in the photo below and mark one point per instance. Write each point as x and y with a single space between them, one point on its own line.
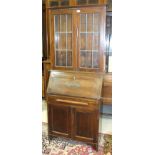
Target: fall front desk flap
73 83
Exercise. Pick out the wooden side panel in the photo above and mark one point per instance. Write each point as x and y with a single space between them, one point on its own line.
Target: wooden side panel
59 120
107 89
43 87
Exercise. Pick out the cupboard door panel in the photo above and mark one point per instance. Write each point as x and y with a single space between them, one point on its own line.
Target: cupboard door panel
85 125
59 120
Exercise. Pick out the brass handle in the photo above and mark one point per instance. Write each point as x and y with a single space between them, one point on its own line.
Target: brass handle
72 102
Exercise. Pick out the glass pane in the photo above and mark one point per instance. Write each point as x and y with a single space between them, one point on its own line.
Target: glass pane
62 41
109 5
93 1
83 23
83 59
69 41
69 23
96 42
95 60
89 22
69 58
56 40
89 41
80 2
89 60
65 2
83 42
108 53
63 23
96 22
54 3
57 23
108 25
60 58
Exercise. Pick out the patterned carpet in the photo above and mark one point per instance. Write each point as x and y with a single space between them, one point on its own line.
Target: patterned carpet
62 146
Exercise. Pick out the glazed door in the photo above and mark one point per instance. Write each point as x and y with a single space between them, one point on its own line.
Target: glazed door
59 120
61 37
85 126
77 38
91 39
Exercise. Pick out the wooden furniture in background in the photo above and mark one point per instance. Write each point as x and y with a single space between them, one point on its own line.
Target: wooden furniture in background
43 87
46 68
73 100
45 52
107 84
107 89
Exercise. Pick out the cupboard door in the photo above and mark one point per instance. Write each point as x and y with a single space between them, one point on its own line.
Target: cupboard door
59 120
85 125
91 34
77 39
62 40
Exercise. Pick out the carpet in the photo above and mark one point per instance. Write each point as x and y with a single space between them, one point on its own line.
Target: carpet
63 146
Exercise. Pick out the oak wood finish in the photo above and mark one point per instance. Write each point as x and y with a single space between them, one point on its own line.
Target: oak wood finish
107 92
107 89
59 120
74 116
76 121
74 3
78 84
44 45
71 102
76 39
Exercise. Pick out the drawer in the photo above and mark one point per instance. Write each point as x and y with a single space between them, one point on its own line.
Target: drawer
73 102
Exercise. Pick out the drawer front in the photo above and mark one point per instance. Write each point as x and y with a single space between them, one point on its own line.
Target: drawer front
73 102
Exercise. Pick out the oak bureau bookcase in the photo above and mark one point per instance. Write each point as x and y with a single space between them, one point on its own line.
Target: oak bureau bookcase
77 66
